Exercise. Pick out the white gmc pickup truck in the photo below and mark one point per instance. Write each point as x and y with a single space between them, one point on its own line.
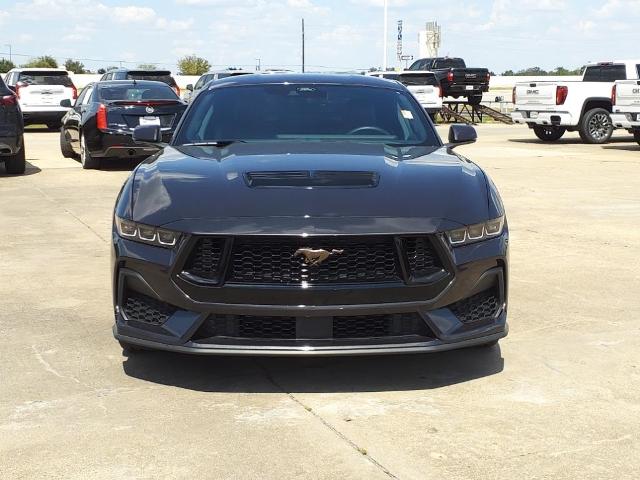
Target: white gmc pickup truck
551 108
626 106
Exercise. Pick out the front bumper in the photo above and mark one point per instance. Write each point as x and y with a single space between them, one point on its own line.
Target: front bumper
156 274
536 117
462 90
629 121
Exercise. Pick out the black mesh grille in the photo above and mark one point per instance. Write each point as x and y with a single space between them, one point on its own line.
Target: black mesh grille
144 309
423 259
361 326
478 307
204 260
274 261
244 326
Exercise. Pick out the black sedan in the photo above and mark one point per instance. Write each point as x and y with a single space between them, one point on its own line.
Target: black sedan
11 132
308 215
101 123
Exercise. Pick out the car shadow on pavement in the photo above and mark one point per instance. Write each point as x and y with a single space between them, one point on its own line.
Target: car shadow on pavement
31 170
315 375
119 164
628 148
568 141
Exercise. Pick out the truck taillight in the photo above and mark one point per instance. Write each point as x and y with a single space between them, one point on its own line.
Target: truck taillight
75 92
450 76
561 94
614 91
513 95
101 117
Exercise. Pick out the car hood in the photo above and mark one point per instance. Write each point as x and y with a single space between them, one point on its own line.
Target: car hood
206 189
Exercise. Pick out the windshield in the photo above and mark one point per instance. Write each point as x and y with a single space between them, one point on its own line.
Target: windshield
136 92
45 78
449 63
304 112
164 78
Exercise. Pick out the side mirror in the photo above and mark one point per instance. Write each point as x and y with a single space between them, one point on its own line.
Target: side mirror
190 87
461 135
66 103
147 134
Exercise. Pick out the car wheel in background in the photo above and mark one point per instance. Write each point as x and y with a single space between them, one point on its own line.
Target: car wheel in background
88 162
16 164
65 148
475 99
548 133
596 126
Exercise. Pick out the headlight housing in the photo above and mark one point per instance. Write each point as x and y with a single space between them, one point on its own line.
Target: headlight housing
476 233
160 237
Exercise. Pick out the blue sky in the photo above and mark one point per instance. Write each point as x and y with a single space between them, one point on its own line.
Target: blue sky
341 34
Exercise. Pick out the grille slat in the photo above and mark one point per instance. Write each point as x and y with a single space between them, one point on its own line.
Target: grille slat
478 307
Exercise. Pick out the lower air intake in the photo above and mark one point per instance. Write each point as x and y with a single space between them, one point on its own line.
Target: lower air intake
479 307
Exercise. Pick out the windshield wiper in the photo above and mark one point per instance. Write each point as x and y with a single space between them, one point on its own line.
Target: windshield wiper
213 143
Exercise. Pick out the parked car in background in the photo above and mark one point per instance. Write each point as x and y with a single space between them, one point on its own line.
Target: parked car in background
163 76
625 99
423 85
101 123
313 214
455 78
11 131
210 77
40 91
553 108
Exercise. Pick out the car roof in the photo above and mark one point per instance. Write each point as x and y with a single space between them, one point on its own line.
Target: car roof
613 62
43 69
131 82
308 78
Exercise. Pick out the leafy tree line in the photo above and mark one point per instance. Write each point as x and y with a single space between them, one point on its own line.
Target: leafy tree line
539 72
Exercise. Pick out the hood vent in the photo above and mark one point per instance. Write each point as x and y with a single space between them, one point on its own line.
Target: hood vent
317 178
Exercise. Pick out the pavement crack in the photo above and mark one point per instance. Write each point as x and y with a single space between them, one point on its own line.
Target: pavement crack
66 210
361 450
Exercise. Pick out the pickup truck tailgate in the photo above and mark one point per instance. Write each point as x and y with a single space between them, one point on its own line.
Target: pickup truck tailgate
627 96
536 94
470 76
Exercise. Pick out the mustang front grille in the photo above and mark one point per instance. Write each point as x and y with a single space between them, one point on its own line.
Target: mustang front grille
313 261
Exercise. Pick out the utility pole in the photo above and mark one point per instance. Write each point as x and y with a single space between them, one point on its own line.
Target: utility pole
384 35
303 45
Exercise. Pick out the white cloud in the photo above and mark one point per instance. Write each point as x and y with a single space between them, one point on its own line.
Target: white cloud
133 14
3 16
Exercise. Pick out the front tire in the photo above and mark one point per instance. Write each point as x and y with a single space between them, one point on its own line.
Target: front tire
16 164
548 133
596 126
88 162
65 148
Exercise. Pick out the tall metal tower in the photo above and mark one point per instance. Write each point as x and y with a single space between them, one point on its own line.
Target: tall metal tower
430 40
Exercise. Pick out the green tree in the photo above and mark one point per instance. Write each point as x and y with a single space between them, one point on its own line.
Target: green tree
45 61
74 66
147 66
192 65
6 65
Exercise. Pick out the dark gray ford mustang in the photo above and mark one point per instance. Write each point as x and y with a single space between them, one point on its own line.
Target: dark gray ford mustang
308 215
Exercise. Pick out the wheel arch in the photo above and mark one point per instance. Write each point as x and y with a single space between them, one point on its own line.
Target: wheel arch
596 102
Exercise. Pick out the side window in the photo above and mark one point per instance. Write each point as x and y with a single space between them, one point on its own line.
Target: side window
200 82
87 95
80 98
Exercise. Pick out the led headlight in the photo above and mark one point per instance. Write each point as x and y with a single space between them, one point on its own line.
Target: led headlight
159 237
477 232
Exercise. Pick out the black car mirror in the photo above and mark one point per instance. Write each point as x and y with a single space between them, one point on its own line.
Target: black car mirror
190 87
461 135
66 103
147 133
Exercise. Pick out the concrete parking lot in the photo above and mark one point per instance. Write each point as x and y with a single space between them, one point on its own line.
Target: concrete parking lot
558 399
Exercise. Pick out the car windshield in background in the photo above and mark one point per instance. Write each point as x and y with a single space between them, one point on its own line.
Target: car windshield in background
418 79
168 79
45 78
306 112
135 93
449 63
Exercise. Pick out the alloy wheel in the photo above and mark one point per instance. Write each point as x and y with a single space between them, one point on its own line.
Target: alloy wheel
599 126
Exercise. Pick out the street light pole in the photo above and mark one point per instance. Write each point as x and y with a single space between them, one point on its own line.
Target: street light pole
384 39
